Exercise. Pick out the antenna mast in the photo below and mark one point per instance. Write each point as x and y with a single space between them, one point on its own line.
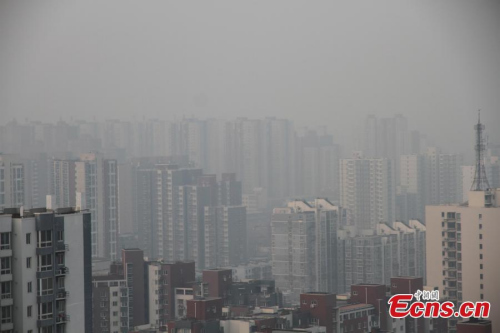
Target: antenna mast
480 182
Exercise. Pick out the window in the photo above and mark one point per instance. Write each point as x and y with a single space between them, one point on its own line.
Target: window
28 238
115 294
60 235
481 276
5 267
29 311
45 238
30 287
46 286
28 262
5 241
480 236
45 310
6 289
45 262
480 256
6 314
60 259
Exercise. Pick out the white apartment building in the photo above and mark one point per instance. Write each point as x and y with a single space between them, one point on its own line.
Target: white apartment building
412 187
367 191
45 271
304 246
462 250
12 179
442 177
97 181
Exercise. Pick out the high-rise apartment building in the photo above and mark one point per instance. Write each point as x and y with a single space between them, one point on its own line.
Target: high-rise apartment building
111 303
387 138
12 181
462 250
410 193
375 255
366 259
442 177
163 280
367 191
198 218
97 181
171 218
247 146
304 246
46 270
37 184
63 182
280 151
411 246
225 241
144 211
318 165
462 244
193 140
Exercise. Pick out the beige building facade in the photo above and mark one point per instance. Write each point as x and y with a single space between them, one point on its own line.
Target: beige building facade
463 250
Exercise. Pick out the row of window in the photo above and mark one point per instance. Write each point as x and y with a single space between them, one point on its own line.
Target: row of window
45 239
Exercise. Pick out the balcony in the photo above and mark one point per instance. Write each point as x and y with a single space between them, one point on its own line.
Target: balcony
60 247
6 299
62 271
44 250
5 250
61 294
45 320
62 317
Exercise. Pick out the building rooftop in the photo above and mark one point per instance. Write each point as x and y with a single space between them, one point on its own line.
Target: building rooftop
109 277
353 307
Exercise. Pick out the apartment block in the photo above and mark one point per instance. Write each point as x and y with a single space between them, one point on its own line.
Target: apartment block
97 182
367 191
304 245
111 304
12 181
46 270
462 250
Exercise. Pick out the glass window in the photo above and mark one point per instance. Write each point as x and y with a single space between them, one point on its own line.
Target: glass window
46 310
6 314
45 238
28 238
46 286
5 266
5 241
45 262
6 289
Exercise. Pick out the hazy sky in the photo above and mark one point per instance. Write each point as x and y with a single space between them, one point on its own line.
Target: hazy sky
317 62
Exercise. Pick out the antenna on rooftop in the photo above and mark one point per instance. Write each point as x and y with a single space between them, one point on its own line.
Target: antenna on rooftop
480 182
